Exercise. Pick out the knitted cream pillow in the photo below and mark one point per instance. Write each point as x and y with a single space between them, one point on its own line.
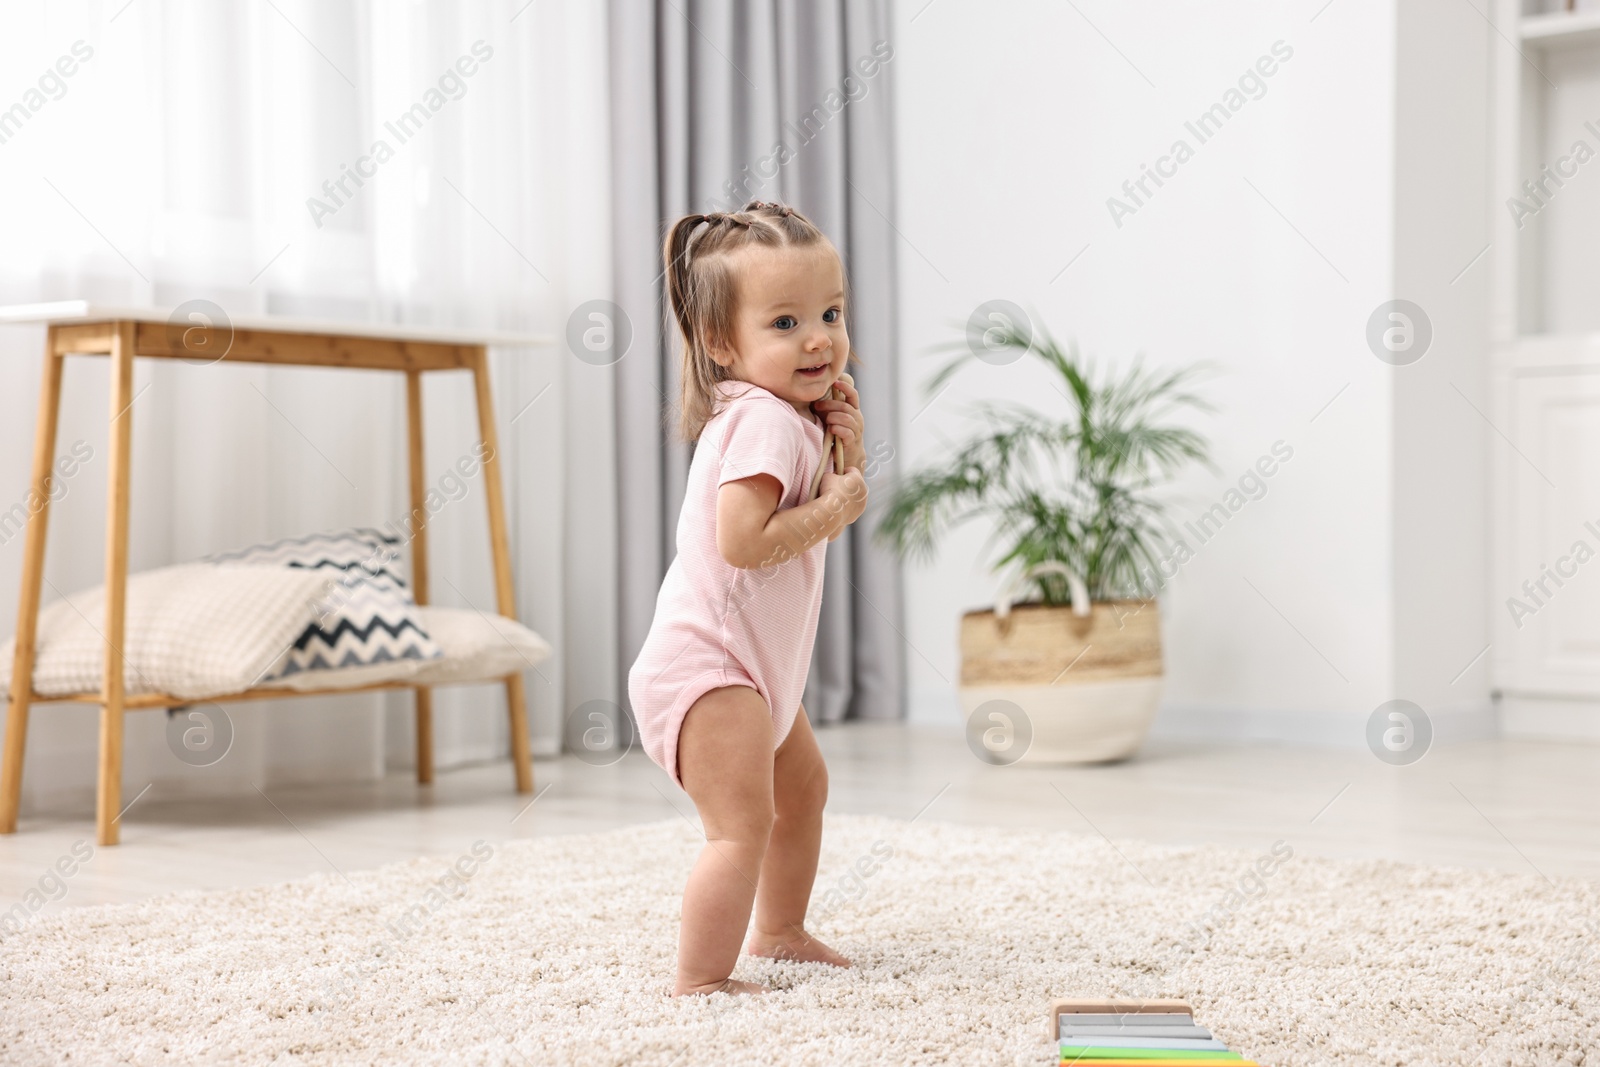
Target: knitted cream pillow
193 630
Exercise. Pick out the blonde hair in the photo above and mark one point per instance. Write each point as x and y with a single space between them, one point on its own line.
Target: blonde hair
702 292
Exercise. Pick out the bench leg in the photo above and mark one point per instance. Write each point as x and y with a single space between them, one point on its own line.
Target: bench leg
500 546
521 751
109 795
44 451
424 735
419 558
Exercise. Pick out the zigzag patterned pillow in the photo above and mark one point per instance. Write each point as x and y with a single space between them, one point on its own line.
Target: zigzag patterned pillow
369 626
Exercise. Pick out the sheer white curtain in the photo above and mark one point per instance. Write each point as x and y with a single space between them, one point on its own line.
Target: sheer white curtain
164 152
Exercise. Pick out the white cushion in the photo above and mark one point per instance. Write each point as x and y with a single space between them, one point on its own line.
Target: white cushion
477 647
193 630
319 678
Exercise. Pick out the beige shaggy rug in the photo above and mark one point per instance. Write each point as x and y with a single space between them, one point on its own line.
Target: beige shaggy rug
559 950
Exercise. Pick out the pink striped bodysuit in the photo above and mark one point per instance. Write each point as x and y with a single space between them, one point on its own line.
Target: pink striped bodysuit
719 625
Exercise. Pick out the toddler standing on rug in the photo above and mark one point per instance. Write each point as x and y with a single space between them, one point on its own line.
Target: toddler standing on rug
759 299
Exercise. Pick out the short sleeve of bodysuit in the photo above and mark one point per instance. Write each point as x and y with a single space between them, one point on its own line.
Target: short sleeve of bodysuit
760 437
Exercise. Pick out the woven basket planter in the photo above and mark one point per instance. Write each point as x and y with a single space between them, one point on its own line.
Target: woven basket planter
1087 685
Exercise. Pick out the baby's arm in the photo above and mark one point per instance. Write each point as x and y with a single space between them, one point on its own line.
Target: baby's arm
753 533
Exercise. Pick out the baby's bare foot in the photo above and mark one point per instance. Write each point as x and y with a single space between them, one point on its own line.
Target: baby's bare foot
727 985
796 945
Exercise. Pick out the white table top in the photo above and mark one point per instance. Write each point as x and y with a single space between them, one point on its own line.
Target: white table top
69 312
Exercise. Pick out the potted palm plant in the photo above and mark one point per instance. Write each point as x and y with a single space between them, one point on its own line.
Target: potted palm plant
1074 672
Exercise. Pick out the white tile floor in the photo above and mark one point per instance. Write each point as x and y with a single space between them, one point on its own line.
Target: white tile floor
1515 805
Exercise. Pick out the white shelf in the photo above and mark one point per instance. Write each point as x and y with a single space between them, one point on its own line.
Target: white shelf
1561 29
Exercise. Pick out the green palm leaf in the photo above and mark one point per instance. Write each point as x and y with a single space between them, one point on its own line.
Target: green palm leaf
1075 490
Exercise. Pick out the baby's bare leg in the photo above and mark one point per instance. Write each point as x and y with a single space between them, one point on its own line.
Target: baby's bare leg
800 789
725 763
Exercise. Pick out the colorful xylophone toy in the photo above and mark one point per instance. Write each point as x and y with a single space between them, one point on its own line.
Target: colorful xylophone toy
1135 1033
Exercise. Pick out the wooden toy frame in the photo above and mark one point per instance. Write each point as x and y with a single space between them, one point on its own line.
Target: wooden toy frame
1083 1005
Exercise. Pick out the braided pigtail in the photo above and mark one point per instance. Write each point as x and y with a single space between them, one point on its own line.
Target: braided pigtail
676 253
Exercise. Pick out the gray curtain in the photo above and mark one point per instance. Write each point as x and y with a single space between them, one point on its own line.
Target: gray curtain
703 94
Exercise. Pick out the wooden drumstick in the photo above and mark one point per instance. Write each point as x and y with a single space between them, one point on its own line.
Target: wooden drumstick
838 445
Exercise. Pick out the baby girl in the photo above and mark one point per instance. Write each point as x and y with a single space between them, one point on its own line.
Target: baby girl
759 298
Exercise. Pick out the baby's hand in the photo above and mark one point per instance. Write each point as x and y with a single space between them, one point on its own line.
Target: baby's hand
844 420
846 492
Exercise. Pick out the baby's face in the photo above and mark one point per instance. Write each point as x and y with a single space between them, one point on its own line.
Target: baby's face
790 319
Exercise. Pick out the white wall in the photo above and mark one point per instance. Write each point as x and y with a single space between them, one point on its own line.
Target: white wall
1440 427
1015 127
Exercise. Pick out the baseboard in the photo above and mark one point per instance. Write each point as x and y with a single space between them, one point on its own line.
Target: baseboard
471 755
938 706
62 781
1340 729
57 780
1550 718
